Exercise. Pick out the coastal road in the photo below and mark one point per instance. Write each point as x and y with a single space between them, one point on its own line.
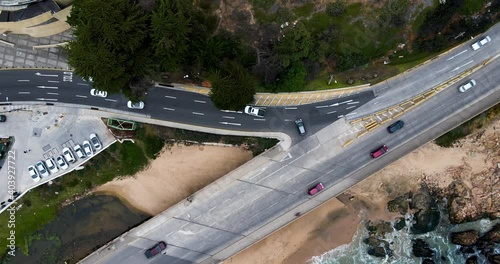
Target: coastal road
265 193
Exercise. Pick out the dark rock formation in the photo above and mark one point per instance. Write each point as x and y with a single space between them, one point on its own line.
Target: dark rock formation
471 260
400 223
379 229
467 250
378 247
427 261
427 215
486 244
494 259
400 204
421 249
465 238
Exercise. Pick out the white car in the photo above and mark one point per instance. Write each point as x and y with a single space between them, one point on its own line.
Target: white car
478 44
95 141
466 86
95 92
138 105
87 148
68 155
34 173
79 151
51 165
61 162
255 111
40 166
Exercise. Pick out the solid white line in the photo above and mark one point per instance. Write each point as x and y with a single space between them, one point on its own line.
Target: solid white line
53 93
171 97
53 81
170 109
46 99
84 84
81 96
233 124
331 112
198 101
443 69
111 100
23 80
196 113
290 108
456 55
228 117
23 92
47 87
345 101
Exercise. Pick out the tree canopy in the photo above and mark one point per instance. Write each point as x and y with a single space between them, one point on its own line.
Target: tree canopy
294 45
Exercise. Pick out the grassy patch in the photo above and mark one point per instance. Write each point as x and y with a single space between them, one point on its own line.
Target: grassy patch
304 10
472 6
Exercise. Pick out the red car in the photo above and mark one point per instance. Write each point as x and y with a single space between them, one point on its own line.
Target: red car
155 250
379 152
316 189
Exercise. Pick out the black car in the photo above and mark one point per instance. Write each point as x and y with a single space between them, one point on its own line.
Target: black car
3 118
155 250
396 126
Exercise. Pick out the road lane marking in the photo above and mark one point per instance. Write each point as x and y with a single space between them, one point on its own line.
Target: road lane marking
199 101
290 108
47 87
340 116
231 111
469 62
23 92
228 117
111 100
322 106
196 113
53 81
331 112
46 99
445 68
81 96
169 109
350 107
259 119
353 113
53 93
83 84
456 55
23 80
171 97
353 103
232 124
225 201
46 75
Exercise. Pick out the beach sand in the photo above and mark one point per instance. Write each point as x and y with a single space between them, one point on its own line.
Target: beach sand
178 172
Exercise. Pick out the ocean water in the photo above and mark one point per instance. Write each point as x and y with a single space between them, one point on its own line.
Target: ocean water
401 244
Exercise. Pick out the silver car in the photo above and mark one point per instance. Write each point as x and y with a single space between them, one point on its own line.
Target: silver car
87 148
95 92
34 173
40 166
61 162
478 44
95 141
466 86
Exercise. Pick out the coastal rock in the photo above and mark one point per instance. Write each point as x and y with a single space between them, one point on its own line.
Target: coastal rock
471 260
379 229
378 247
427 261
487 243
399 204
467 250
421 249
465 238
494 259
400 223
426 220
421 201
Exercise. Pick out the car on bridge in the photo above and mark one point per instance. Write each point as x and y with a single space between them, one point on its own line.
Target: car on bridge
316 189
478 44
379 152
155 250
255 111
466 86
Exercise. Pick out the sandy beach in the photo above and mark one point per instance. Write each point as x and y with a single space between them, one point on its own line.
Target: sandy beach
178 172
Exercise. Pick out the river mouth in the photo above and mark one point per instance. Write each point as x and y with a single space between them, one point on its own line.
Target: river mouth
79 229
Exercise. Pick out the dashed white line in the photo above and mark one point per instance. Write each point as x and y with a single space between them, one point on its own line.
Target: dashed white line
46 99
23 80
228 117
171 97
232 124
23 92
53 81
111 100
353 103
259 119
443 69
169 109
353 113
83 84
331 112
47 87
226 200
350 107
340 116
290 108
456 55
322 106
53 93
199 101
196 113
81 96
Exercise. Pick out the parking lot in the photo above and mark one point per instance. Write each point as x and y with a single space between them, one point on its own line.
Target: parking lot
41 132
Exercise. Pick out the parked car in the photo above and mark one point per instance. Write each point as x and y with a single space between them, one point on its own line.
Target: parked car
379 152
478 44
87 148
316 189
68 155
95 141
466 86
61 162
300 126
51 165
255 111
3 118
155 250
138 105
95 92
40 167
79 151
34 173
396 126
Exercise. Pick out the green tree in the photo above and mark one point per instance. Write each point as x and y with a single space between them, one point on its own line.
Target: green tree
295 79
351 60
336 8
233 86
171 28
294 46
110 43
